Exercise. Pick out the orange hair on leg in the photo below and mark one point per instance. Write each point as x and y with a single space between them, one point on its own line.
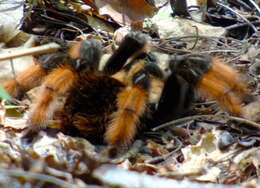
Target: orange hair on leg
57 83
25 81
131 103
230 76
223 84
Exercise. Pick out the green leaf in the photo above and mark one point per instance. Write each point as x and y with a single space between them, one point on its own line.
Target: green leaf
3 94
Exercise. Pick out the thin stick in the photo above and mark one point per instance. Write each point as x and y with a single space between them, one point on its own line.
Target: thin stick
13 69
255 5
190 118
181 120
196 39
47 48
239 15
221 50
245 121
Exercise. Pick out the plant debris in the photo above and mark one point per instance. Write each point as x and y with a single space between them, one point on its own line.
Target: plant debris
206 148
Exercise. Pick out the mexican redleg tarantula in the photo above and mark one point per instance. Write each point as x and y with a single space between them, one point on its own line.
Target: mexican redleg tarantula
129 91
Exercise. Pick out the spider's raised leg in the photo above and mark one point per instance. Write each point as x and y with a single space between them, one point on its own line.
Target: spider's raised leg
61 80
213 79
132 102
133 99
132 45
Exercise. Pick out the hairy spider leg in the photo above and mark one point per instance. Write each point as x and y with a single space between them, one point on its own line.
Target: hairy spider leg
132 102
34 75
225 85
132 45
25 81
212 78
62 79
56 84
133 99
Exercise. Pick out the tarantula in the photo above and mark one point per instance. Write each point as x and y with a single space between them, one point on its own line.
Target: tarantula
130 90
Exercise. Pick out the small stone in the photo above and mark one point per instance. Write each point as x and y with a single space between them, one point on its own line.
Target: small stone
225 140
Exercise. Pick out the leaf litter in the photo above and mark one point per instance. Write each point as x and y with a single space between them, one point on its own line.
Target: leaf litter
208 149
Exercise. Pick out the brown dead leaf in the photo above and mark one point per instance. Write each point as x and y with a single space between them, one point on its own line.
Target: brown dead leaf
133 10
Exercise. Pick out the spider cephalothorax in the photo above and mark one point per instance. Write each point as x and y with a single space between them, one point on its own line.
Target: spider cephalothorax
131 90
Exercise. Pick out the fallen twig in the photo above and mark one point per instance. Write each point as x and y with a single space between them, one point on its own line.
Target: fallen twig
196 117
239 15
255 5
47 48
181 120
245 121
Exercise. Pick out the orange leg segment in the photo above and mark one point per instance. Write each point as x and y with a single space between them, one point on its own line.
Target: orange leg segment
56 84
224 84
131 103
25 81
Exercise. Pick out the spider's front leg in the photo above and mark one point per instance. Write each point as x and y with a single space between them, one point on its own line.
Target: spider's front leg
25 81
212 78
132 101
84 57
34 75
138 75
132 45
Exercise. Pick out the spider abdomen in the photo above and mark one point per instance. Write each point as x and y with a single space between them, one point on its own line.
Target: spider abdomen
90 103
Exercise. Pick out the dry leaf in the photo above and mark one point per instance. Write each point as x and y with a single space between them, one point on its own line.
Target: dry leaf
133 10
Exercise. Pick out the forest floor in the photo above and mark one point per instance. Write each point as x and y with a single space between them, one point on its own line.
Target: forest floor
208 147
